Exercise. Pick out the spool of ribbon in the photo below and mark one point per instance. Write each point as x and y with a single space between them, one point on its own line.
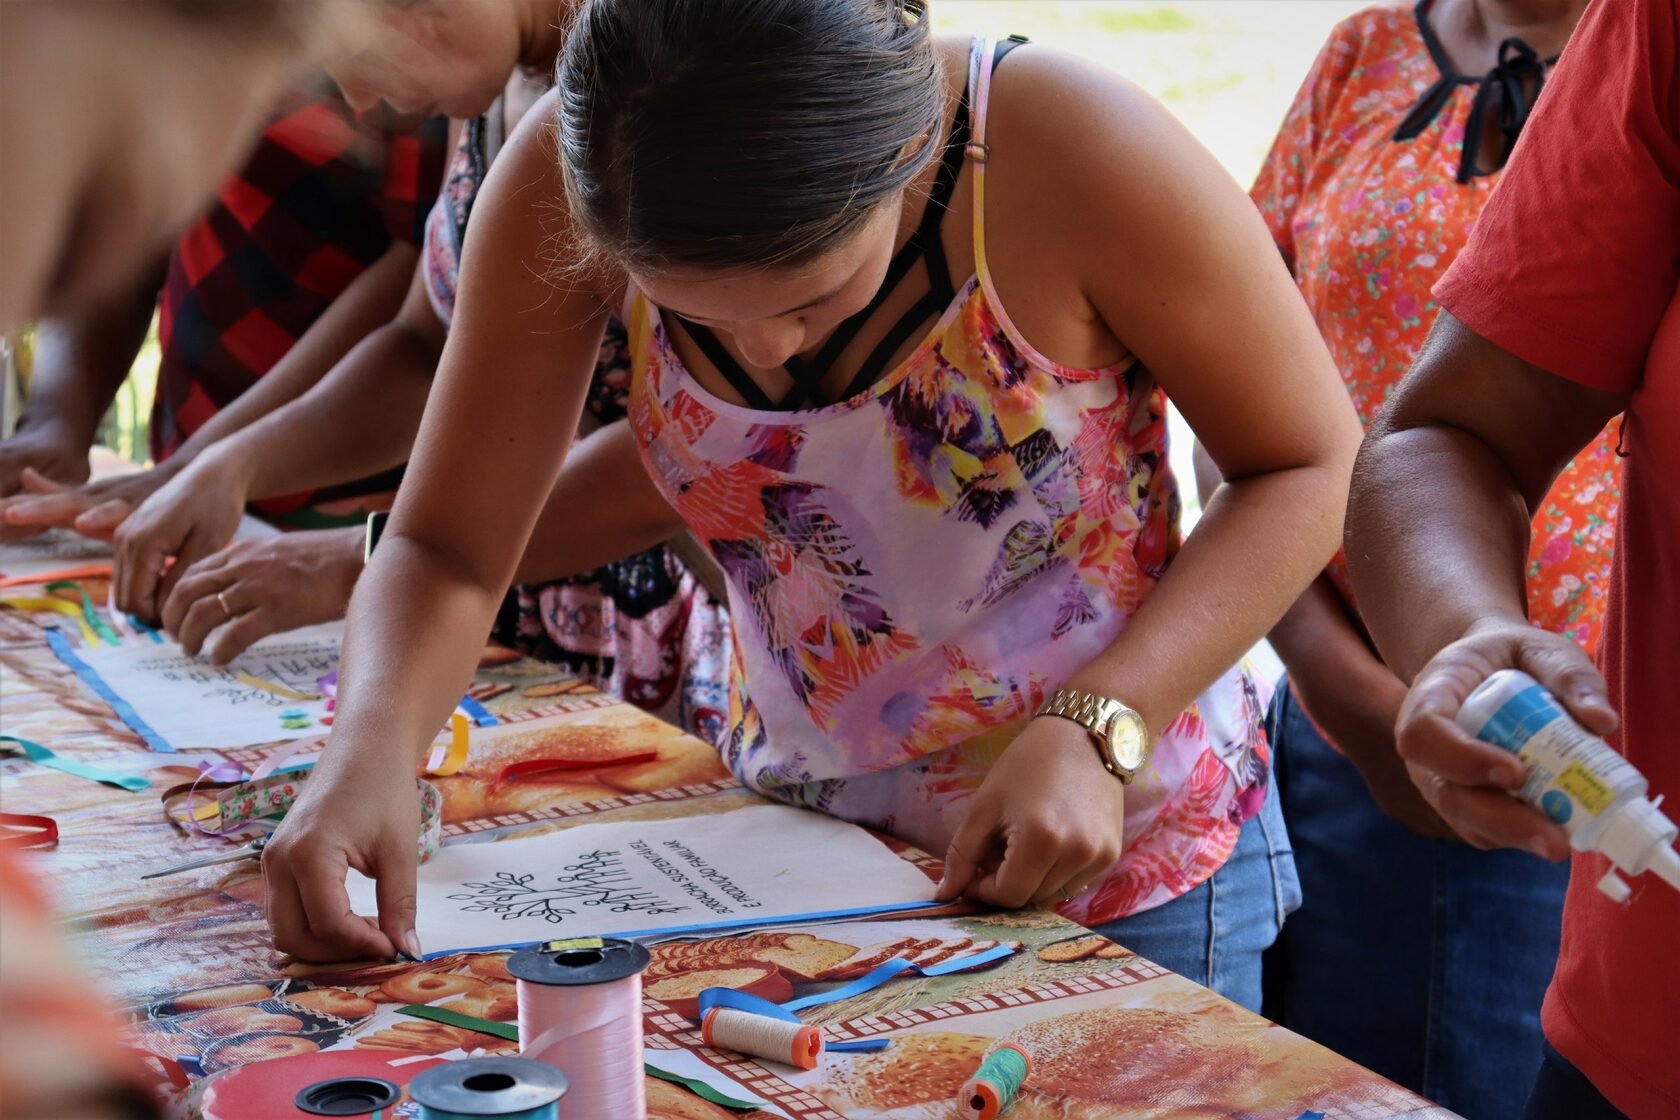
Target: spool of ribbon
795 1044
26 832
40 755
509 1088
995 1085
580 1010
781 1043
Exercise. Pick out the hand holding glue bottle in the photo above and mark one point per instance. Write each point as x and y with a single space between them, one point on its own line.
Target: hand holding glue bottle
1576 779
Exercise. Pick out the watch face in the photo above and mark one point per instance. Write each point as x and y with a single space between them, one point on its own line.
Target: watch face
1128 740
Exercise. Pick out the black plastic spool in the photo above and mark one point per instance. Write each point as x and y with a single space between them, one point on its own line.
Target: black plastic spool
578 965
347 1096
488 1087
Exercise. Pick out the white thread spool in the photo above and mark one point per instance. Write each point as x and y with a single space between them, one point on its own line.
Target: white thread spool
794 1044
580 1010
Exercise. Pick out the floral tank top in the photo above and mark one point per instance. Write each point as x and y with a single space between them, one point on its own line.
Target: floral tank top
1369 223
913 570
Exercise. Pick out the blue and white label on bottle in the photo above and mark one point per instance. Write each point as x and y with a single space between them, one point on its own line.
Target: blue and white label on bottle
1516 721
1556 805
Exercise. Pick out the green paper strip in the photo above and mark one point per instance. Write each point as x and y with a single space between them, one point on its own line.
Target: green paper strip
701 1089
450 1018
510 1032
39 754
99 625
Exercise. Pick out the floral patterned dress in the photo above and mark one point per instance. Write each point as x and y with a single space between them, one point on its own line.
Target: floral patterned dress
643 628
912 570
1368 223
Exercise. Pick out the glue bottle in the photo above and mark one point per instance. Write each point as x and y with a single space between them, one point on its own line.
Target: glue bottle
1575 778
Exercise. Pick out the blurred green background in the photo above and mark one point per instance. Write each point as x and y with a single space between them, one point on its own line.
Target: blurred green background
1227 68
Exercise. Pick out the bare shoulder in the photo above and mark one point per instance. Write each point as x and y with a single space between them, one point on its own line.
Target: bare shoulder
522 217
1097 174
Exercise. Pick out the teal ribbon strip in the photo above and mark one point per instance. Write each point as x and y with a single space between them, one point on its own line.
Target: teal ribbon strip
36 753
100 626
144 629
511 1032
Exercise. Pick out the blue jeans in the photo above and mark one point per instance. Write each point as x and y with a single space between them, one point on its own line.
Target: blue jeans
1562 1092
1216 933
1424 960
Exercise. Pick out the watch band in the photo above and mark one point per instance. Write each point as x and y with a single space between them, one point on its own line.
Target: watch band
1085 708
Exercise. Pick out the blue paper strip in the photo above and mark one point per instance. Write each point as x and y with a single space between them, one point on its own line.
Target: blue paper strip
478 713
125 711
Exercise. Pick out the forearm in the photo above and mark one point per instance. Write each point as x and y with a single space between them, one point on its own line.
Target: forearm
404 670
604 507
361 419
1234 578
80 363
1437 540
1317 639
370 302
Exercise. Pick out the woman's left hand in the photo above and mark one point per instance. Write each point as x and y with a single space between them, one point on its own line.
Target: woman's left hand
262 586
1043 827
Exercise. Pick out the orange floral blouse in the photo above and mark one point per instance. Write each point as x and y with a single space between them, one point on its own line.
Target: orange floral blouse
1368 224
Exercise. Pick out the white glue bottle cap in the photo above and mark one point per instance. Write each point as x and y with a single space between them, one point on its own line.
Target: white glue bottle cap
1638 838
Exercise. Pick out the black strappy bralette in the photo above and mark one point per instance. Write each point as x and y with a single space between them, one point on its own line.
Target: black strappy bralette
925 245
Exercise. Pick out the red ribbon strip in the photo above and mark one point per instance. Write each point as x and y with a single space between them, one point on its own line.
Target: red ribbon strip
516 770
25 831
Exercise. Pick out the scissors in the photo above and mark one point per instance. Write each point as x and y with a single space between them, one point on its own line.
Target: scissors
249 851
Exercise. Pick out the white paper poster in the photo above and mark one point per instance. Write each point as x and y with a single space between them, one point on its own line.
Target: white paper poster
182 703
755 865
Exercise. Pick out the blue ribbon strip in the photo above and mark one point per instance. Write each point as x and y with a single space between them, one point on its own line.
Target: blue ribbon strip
36 753
741 1001
478 713
125 711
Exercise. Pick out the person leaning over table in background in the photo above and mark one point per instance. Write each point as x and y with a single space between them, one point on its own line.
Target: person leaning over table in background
150 102
304 251
640 624
1432 973
1560 313
930 530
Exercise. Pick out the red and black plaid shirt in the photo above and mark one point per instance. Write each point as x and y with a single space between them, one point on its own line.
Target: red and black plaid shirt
323 196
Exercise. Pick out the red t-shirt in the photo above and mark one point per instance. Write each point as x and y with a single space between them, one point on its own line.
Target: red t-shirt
1573 268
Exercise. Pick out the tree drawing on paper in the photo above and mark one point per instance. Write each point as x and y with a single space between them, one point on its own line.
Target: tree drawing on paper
596 879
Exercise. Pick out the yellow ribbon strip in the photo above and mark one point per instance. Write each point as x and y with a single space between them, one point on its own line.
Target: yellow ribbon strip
59 606
281 690
445 761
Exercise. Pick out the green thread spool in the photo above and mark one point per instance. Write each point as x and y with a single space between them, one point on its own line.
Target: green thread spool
994 1086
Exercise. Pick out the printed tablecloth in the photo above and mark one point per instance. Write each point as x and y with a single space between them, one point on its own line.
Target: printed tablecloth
1112 1035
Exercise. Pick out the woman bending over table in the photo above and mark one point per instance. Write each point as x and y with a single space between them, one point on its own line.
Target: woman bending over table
902 329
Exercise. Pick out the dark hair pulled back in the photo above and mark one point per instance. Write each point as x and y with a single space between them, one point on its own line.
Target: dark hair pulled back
726 133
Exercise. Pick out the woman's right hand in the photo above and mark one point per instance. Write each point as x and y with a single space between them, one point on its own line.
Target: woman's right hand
193 515
1469 782
360 820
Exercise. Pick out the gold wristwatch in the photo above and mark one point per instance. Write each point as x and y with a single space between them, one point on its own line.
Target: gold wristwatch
1121 736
